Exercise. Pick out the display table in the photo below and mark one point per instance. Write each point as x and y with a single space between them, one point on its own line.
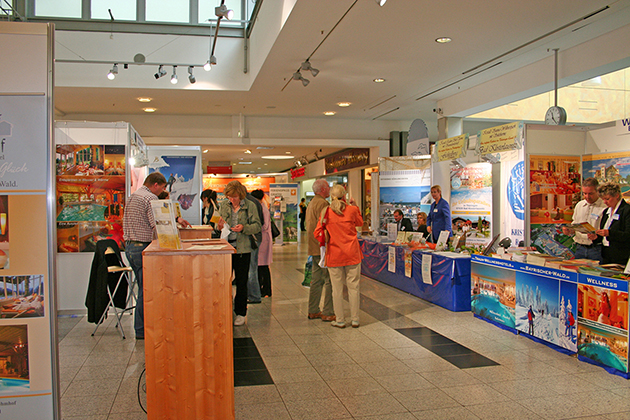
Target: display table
450 276
188 332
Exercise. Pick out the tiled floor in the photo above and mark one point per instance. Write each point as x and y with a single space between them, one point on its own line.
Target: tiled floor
374 372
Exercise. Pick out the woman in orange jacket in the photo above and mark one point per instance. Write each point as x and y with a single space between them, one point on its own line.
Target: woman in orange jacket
336 230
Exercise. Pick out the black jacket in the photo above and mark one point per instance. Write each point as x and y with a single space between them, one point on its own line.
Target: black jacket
619 236
405 225
97 298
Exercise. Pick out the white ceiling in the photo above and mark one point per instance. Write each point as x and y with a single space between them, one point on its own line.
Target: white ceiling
395 42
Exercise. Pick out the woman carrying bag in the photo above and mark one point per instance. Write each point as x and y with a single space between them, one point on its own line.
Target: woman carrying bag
336 230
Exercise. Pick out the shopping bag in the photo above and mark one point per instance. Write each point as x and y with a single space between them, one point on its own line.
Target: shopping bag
308 271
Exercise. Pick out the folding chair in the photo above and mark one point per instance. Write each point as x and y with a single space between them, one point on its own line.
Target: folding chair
110 280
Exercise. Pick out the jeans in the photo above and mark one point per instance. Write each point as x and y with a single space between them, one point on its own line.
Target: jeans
253 287
240 265
133 250
592 253
320 281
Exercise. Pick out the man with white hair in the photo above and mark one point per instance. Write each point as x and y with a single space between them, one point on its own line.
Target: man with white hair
320 279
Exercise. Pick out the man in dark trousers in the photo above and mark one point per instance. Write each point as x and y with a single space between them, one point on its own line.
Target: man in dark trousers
403 223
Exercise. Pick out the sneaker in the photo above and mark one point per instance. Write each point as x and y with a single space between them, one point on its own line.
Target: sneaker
239 320
338 324
355 324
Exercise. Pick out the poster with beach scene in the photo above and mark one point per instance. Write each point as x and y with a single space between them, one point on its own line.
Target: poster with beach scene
493 291
406 190
609 167
22 296
4 232
14 363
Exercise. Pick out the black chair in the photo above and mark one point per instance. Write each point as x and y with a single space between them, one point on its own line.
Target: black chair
110 281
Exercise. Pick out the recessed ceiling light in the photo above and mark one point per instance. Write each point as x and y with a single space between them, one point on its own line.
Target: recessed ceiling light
277 157
344 104
149 109
205 151
329 113
379 80
244 163
145 99
259 167
288 153
248 152
443 40
266 164
265 147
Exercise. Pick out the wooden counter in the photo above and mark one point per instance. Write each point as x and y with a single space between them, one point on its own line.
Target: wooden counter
197 232
188 332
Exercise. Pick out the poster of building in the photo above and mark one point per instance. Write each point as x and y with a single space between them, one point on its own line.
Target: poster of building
555 189
22 296
603 321
471 201
493 286
609 167
90 195
406 190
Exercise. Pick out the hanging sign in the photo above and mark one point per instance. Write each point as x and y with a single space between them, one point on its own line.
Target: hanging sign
349 159
298 172
451 148
500 139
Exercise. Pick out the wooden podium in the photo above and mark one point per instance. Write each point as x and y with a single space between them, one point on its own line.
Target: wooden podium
188 332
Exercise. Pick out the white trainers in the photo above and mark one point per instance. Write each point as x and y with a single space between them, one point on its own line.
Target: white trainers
239 320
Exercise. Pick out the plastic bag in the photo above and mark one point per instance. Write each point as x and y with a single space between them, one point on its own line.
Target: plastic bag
308 271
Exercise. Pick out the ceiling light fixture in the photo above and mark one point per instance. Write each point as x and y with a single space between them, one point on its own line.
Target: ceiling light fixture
307 66
329 113
205 151
174 76
149 109
344 104
145 99
248 152
113 72
223 12
191 77
298 76
443 40
160 73
381 2
278 157
379 80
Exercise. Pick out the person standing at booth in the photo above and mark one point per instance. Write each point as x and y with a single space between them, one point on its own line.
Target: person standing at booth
615 225
402 223
439 217
139 228
320 279
588 210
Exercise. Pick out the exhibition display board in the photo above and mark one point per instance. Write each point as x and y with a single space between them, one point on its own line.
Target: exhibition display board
440 279
188 331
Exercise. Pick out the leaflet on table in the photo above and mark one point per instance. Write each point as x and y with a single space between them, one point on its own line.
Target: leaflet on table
427 259
442 240
408 262
391 260
392 232
165 225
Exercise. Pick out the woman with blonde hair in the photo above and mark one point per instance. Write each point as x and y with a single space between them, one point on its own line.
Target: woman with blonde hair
336 230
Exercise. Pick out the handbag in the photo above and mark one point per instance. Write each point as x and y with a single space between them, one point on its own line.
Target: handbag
275 232
253 242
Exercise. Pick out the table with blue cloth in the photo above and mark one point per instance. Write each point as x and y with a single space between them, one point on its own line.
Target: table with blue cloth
450 276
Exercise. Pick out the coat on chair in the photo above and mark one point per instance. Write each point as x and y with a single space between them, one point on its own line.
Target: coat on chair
97 298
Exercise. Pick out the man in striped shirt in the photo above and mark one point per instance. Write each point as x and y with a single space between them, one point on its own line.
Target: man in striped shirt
139 227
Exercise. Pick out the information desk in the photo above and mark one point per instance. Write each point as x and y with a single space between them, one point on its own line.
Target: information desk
188 332
196 232
573 312
450 277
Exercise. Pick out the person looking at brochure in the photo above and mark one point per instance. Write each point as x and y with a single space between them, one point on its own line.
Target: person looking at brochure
615 225
589 211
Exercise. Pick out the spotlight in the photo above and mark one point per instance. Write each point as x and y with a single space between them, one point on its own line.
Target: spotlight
191 78
298 76
223 11
307 66
174 76
213 60
207 66
113 72
381 2
161 72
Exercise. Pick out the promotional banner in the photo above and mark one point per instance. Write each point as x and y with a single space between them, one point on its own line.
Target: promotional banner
536 300
603 320
451 148
609 167
250 183
555 189
285 199
90 195
471 201
409 191
513 198
500 139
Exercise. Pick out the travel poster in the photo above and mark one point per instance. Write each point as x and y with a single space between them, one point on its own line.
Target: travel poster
603 320
609 167
288 202
406 190
22 296
513 197
14 363
471 201
493 285
555 189
4 231
90 195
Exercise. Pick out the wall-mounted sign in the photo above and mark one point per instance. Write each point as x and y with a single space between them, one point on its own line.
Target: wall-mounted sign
298 172
500 139
349 159
622 126
451 148
219 169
